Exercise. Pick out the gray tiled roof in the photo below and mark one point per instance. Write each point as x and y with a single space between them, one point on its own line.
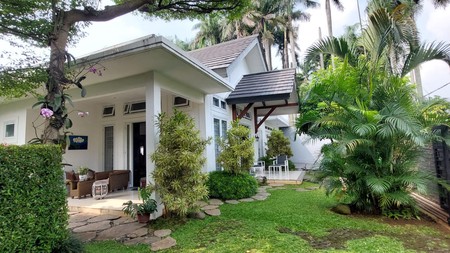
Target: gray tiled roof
264 86
223 54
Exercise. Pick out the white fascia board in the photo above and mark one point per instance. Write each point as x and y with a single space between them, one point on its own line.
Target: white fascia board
149 42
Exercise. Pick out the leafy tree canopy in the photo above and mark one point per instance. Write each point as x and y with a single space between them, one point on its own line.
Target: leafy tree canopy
53 24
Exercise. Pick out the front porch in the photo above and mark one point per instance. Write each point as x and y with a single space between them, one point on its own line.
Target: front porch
112 203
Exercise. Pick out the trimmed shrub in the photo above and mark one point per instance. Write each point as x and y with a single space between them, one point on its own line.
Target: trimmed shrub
179 160
226 185
33 209
237 149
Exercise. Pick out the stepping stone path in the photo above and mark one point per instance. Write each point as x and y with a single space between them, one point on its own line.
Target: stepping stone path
97 227
91 227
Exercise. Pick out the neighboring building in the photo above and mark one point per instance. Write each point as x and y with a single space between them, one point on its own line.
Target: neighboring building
150 75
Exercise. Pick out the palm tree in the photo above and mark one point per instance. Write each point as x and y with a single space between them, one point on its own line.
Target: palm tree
369 111
290 34
210 32
329 19
263 18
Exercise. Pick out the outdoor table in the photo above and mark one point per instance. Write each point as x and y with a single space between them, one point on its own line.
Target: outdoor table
100 189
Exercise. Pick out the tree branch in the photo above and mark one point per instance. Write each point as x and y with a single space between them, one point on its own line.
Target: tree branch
110 12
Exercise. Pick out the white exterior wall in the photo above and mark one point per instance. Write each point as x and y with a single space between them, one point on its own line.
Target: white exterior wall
14 113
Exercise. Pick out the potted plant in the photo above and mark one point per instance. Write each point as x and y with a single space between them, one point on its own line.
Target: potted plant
141 210
82 172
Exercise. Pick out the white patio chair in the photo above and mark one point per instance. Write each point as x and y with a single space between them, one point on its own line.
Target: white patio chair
280 163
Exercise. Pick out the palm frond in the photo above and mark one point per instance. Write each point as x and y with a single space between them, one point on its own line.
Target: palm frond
333 46
378 185
424 53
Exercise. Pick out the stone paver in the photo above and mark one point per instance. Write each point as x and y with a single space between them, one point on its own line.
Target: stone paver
257 197
138 233
198 215
312 188
213 212
209 207
76 224
123 220
142 240
97 226
86 236
215 202
302 190
165 243
80 217
247 200
119 231
201 203
104 217
162 232
232 201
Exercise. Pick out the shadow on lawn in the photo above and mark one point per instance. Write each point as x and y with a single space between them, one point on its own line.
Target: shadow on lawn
337 239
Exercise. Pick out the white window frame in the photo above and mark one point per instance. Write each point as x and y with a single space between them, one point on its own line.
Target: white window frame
7 123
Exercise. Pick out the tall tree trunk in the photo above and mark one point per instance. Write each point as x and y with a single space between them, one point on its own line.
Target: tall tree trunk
291 39
268 53
329 24
285 50
56 80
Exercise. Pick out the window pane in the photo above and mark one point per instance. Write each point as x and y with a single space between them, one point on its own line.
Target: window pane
216 137
216 102
109 148
224 129
9 130
223 104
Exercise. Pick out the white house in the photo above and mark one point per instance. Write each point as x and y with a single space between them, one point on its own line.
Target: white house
151 75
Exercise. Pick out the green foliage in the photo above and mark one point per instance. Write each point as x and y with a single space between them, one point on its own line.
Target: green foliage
268 160
237 149
377 133
33 214
70 245
225 185
291 165
148 205
278 144
178 163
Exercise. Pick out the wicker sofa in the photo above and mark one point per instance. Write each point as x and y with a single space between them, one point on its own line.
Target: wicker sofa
118 179
78 188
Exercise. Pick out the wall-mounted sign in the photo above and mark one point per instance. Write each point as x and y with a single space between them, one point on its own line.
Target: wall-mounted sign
78 142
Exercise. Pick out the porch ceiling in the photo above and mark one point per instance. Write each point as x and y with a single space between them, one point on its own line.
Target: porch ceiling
154 54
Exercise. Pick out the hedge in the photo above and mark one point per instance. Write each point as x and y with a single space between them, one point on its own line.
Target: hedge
226 185
33 209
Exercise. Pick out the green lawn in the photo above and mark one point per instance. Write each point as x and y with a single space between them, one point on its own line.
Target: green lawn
291 221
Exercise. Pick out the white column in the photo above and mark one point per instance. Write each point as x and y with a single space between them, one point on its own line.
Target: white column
206 128
153 108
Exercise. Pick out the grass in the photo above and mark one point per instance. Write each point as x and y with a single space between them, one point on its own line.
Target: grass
291 221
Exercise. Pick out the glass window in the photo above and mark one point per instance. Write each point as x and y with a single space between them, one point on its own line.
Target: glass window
109 148
216 140
223 105
9 130
224 128
216 102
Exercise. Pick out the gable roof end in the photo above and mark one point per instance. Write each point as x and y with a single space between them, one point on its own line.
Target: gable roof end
223 54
